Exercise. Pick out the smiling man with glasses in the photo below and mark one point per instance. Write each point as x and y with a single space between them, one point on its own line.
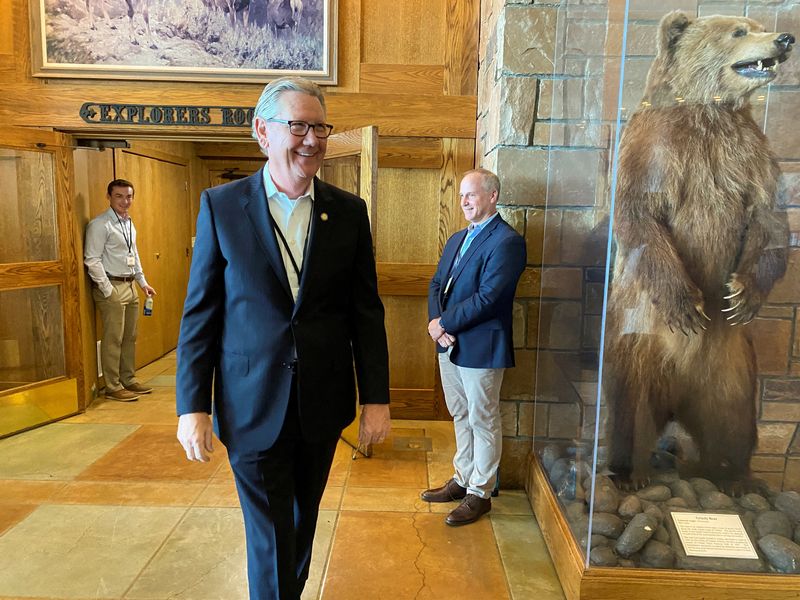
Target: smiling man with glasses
282 303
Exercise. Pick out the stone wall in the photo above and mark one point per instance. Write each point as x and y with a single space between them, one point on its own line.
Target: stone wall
547 101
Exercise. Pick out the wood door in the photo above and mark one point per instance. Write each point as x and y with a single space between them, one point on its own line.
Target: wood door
162 215
40 348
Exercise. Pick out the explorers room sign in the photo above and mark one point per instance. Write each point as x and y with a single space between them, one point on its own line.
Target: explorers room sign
148 114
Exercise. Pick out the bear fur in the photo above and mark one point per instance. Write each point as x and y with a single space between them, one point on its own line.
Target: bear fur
699 246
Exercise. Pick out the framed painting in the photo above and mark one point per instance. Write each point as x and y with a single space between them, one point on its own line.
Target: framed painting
250 41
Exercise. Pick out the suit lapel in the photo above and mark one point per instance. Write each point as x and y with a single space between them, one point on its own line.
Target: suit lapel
318 235
481 238
255 207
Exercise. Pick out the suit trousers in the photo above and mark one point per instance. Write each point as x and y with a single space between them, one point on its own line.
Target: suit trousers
473 399
279 491
119 313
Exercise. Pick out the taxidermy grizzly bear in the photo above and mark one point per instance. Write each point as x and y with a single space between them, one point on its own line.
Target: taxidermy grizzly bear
699 247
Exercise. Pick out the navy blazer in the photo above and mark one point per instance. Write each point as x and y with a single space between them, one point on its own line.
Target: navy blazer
478 305
241 328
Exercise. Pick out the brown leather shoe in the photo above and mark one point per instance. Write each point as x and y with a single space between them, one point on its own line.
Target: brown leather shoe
470 510
138 388
122 396
449 492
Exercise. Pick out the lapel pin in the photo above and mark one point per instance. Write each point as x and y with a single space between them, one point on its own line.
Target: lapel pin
324 216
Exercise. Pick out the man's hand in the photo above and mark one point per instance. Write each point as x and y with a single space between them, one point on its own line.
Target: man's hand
446 340
374 425
149 290
195 435
435 329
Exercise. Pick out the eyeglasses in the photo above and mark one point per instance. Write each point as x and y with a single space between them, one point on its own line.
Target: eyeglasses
300 128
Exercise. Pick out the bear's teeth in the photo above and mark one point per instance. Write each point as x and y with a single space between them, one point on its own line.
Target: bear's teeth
760 66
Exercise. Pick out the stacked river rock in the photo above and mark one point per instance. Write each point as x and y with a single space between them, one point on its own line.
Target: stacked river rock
636 530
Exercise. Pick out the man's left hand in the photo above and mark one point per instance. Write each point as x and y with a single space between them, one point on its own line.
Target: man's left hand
435 329
374 425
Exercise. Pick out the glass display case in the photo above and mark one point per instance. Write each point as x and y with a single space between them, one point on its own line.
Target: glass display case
668 355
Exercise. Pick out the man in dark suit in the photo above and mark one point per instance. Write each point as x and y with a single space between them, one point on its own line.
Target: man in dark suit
282 301
470 303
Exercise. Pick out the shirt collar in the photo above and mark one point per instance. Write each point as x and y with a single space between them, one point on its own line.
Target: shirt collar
479 226
272 189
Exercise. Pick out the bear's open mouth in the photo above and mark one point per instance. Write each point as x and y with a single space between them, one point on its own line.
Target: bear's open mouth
763 67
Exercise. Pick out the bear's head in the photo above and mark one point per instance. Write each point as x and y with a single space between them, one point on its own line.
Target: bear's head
713 59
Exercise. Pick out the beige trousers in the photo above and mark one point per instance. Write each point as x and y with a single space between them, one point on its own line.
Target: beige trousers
473 399
119 312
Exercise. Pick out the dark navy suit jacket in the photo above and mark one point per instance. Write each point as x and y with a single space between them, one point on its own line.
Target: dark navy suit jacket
478 305
241 329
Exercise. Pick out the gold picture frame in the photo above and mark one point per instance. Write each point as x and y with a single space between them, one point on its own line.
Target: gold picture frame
230 41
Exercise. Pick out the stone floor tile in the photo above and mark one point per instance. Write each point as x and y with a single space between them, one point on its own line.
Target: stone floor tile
511 502
17 491
151 454
528 567
332 498
162 381
11 514
390 468
202 559
59 450
383 499
340 469
219 494
326 525
425 559
85 551
124 493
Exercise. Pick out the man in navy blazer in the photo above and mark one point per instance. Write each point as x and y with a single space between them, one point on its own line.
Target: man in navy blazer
282 302
470 304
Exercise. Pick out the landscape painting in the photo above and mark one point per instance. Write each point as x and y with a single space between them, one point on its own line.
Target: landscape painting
189 40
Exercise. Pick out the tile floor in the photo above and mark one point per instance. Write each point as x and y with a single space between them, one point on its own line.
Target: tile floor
105 505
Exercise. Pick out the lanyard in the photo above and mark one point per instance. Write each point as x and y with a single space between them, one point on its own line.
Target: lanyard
129 237
277 229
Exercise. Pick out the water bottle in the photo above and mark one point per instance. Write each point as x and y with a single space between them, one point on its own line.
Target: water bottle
148 306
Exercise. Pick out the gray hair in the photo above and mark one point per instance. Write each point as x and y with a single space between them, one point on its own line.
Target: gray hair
267 106
489 181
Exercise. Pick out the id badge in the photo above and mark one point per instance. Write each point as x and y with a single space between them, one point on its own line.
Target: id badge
130 260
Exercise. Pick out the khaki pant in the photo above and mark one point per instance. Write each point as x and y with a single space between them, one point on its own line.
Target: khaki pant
473 399
119 312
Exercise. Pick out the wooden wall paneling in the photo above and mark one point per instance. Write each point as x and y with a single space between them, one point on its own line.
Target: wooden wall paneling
408 215
344 143
411 348
7 62
368 184
343 172
58 105
18 14
404 279
397 152
349 51
458 158
462 31
404 33
402 79
224 150
410 152
93 170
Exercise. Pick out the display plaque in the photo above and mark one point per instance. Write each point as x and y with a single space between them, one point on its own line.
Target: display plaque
713 535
